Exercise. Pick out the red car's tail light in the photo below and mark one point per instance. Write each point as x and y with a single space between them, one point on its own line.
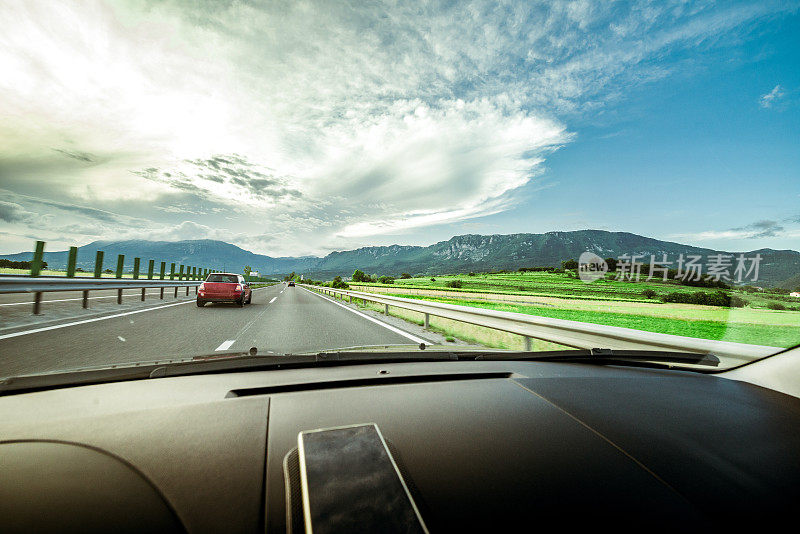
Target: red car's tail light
202 286
237 288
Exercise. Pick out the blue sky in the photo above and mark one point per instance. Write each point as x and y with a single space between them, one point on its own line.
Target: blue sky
315 128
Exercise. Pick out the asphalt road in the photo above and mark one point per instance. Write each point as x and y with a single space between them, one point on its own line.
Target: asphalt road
280 320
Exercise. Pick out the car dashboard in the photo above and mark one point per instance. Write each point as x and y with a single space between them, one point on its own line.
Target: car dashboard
481 445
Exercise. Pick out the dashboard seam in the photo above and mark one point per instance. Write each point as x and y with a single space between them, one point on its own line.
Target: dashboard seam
607 440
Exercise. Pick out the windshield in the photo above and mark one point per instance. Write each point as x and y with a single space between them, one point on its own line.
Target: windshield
223 278
512 176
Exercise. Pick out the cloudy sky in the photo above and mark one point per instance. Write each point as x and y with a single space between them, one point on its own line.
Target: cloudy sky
293 128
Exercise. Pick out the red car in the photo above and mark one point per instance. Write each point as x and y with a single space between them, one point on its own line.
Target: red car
224 287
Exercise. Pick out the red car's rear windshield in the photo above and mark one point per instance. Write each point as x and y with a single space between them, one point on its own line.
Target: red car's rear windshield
229 278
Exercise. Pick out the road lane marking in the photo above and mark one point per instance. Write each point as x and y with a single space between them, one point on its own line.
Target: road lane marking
396 330
273 300
225 345
95 319
121 338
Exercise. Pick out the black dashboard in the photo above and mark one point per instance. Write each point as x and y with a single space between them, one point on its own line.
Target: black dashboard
481 445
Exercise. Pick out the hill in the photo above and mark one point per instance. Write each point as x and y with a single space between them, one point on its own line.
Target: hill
461 253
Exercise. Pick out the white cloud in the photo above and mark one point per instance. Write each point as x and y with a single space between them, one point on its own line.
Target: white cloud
759 229
767 100
362 119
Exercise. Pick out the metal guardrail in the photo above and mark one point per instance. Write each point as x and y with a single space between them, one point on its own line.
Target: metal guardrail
161 278
569 333
43 284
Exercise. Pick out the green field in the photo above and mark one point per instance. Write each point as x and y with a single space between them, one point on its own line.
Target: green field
778 335
569 287
611 302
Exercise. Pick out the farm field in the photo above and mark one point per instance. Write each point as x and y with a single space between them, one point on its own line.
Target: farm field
544 284
612 303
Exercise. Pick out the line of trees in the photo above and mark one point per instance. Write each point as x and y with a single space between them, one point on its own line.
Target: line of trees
360 277
10 264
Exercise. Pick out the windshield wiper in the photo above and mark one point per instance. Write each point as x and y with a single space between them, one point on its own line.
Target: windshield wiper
608 357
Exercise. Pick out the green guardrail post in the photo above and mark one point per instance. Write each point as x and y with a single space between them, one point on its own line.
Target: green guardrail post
150 265
36 264
163 267
98 264
36 268
172 271
180 273
120 264
72 259
136 263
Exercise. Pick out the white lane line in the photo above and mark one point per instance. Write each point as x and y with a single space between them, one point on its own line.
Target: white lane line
95 319
225 345
121 338
273 300
68 300
403 333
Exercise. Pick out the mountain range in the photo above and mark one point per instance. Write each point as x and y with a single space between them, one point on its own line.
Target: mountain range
460 253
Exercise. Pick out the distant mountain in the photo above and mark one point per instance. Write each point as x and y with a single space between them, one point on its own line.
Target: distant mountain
458 254
205 253
792 284
486 252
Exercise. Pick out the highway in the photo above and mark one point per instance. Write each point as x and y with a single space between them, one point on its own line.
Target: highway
280 320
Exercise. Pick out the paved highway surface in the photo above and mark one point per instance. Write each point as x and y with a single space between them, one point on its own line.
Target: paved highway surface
280 319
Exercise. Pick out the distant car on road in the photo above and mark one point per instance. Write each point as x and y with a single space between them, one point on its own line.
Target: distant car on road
224 287
291 284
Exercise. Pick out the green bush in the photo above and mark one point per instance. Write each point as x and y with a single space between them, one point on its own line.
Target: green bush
359 276
433 279
772 305
718 298
386 280
453 283
338 283
649 293
472 274
569 264
405 275
738 302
